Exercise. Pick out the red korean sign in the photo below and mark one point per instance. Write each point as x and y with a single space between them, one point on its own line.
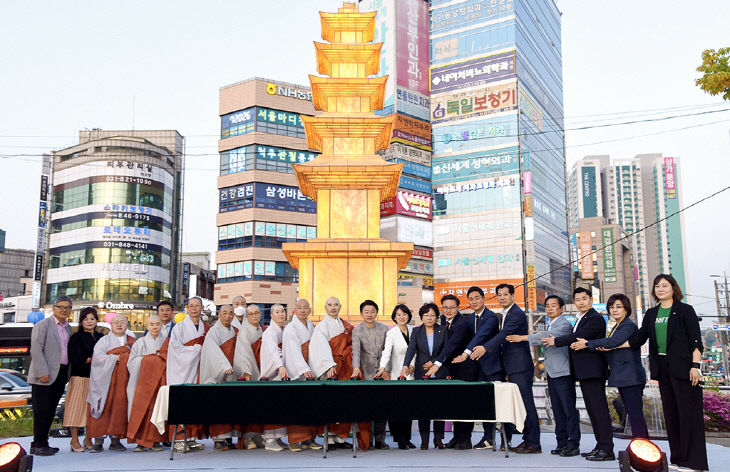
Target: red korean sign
408 204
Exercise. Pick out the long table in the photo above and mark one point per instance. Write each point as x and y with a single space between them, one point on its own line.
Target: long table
324 402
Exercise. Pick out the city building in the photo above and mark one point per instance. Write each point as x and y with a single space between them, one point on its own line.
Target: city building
198 280
635 193
15 309
16 270
498 164
601 259
260 204
115 225
402 28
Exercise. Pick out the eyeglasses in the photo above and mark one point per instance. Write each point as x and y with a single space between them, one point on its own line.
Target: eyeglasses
63 307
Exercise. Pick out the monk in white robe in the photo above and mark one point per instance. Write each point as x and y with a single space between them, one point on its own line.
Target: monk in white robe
107 397
146 367
246 361
216 366
239 310
295 348
272 368
183 362
330 357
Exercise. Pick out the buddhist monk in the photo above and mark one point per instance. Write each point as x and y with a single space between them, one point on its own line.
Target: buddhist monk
246 365
239 310
107 397
272 368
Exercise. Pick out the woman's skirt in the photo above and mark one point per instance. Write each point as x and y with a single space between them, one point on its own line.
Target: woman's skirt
76 406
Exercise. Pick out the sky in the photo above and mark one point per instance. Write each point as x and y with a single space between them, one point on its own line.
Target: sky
68 66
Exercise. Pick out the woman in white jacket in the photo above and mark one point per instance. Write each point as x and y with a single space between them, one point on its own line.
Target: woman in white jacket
396 344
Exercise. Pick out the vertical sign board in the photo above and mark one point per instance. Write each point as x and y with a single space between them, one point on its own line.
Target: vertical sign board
531 288
590 202
42 224
412 45
186 280
586 265
609 259
670 185
385 26
574 252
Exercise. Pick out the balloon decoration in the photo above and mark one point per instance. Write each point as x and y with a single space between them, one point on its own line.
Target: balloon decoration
179 317
35 316
110 316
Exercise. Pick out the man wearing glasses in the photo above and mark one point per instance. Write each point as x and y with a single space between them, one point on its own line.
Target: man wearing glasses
48 372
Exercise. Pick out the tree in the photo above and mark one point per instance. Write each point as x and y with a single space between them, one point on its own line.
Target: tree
716 78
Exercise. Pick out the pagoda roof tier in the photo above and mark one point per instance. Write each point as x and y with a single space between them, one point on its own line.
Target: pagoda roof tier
349 248
348 26
329 55
334 172
320 127
326 87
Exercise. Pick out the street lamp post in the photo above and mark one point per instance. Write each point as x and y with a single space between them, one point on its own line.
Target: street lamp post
723 319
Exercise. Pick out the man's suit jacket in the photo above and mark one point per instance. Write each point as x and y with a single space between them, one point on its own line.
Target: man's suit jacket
624 365
457 338
45 351
366 349
515 356
557 359
487 327
587 364
163 331
418 347
683 337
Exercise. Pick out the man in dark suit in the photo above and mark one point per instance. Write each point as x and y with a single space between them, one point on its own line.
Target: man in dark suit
486 326
517 363
458 335
590 368
48 372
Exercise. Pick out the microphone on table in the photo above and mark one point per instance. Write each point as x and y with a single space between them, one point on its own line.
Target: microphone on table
264 379
332 378
448 377
285 379
242 379
402 377
309 378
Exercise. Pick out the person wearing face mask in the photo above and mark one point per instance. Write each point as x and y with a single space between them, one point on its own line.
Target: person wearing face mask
107 397
80 350
144 382
239 310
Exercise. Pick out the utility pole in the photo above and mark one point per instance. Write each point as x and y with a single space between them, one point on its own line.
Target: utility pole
722 319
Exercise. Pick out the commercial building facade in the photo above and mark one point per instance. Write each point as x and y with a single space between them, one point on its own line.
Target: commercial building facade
260 204
498 161
115 226
635 193
16 267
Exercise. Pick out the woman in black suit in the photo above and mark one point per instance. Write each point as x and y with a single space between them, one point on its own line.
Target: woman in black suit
426 344
675 353
625 368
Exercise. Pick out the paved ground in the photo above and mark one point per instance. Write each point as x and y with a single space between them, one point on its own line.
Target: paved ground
432 459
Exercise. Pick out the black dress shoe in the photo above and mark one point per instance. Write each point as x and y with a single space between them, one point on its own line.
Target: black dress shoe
601 456
586 454
568 452
558 450
43 451
438 444
381 445
411 445
424 446
343 445
402 445
166 443
451 444
462 445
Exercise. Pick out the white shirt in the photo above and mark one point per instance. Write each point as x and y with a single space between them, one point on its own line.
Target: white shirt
504 315
580 317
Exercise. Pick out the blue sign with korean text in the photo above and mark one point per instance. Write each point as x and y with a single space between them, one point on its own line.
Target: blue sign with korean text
415 184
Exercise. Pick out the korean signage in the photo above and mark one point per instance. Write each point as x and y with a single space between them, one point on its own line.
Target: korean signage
279 117
419 267
404 229
422 253
44 187
38 272
401 152
276 89
412 103
481 185
417 185
473 103
586 262
236 198
472 165
241 117
408 204
412 45
527 182
590 201
283 197
574 251
417 170
485 257
412 126
186 279
489 132
42 214
670 186
473 72
609 261
531 288
480 231
459 289
273 153
467 13
385 32
531 109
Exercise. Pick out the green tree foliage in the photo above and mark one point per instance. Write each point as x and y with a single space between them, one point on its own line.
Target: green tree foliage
716 72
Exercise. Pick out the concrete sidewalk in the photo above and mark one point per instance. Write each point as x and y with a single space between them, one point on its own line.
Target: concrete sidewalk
208 459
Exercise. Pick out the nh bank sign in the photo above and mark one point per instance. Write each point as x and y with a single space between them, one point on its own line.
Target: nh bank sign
276 89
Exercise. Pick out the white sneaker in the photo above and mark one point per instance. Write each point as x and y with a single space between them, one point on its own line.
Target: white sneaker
179 446
195 446
248 443
273 445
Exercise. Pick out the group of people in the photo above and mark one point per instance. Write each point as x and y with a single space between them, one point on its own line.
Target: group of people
114 379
